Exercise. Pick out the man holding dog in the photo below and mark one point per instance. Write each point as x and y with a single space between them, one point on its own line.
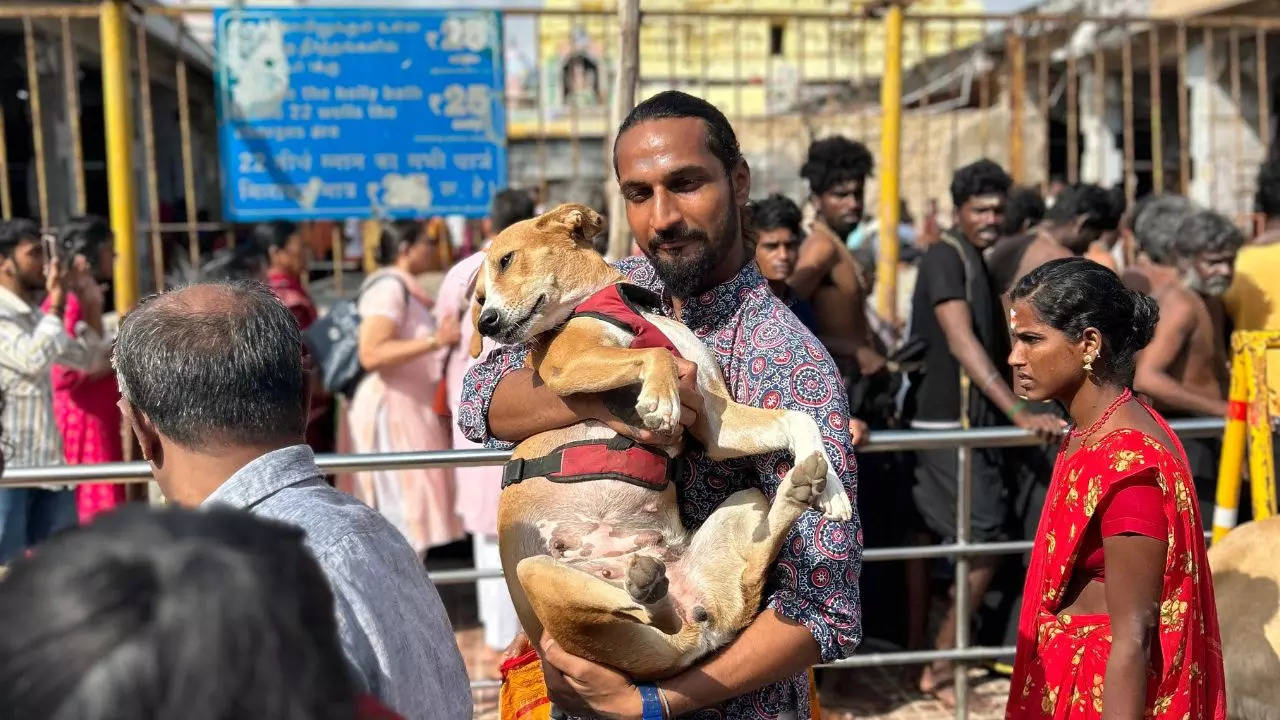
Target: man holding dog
685 185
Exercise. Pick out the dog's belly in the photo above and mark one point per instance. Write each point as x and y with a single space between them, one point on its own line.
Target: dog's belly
596 526
597 520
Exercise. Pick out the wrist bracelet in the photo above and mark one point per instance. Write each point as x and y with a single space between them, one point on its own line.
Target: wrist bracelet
995 374
650 702
666 708
1017 408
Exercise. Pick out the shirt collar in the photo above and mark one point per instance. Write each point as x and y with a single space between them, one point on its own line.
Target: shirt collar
10 300
714 307
265 476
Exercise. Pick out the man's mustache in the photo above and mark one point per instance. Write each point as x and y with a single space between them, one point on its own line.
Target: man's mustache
679 234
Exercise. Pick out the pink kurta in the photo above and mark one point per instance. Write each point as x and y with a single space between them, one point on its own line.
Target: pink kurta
85 409
478 487
392 412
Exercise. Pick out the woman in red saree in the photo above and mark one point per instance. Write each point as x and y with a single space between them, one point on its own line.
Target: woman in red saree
1118 617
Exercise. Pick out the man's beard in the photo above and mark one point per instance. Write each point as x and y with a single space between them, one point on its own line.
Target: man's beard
686 277
1215 286
842 227
31 282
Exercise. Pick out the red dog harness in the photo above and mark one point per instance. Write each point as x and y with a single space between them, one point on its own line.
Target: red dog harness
621 305
618 458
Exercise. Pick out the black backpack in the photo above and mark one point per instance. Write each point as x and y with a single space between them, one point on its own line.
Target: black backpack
334 341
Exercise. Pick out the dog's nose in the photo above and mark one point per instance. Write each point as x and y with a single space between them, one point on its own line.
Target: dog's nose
488 322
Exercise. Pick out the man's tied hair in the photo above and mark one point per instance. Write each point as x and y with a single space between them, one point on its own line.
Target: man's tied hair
672 104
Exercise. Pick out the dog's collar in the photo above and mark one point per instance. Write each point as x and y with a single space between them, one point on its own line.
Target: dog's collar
617 458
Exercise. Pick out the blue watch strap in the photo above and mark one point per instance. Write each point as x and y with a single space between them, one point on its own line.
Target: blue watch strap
651 702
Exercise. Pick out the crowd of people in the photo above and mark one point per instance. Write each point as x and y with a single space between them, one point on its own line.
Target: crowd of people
218 388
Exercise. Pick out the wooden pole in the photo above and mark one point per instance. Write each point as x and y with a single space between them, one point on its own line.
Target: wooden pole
1017 99
624 98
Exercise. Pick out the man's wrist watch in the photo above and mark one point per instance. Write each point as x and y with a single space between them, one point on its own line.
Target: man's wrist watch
650 702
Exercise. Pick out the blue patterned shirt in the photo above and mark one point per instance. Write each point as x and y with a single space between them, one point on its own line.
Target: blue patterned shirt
769 359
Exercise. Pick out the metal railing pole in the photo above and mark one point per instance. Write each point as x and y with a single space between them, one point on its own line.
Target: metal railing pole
964 501
884 441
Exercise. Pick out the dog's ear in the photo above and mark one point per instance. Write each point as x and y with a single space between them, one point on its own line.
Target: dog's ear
477 304
581 222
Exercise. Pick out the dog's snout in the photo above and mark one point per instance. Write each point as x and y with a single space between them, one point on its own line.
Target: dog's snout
487 323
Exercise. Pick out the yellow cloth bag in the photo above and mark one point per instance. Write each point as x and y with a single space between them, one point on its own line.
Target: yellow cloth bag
523 695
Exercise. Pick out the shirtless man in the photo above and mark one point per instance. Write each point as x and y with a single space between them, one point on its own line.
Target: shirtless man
777 220
826 274
1082 214
1184 369
1155 225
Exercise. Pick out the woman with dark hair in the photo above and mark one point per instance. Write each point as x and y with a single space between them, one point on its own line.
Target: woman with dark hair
403 348
85 404
287 260
1118 616
150 615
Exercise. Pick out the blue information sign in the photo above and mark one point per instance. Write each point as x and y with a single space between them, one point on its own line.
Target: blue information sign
335 113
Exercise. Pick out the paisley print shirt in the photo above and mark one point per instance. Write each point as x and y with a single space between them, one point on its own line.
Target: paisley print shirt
769 359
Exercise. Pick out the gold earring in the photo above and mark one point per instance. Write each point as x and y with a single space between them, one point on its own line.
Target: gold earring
1088 364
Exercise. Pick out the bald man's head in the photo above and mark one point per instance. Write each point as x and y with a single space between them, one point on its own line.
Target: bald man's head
215 364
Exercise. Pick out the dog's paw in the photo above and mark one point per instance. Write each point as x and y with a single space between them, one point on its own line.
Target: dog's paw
807 479
659 410
833 501
647 579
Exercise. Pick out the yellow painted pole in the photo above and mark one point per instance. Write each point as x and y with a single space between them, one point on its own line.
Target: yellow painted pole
1262 475
117 110
890 164
1231 462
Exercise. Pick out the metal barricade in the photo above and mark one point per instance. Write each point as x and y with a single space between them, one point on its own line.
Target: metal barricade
1250 415
885 441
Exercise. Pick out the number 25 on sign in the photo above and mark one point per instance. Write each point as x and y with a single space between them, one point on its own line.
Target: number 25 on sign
459 101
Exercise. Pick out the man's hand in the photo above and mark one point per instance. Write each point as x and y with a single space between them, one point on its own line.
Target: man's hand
449 332
1046 427
55 281
691 405
519 646
591 406
582 687
80 280
858 431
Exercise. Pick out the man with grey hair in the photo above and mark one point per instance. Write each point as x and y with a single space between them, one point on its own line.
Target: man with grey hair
214 388
1154 226
1184 368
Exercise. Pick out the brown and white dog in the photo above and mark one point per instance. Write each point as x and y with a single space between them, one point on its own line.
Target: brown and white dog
604 564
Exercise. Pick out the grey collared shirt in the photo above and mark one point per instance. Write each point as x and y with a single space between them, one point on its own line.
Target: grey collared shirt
393 627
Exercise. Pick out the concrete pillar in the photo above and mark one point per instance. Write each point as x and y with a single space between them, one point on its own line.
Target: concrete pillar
1224 144
1102 155
58 159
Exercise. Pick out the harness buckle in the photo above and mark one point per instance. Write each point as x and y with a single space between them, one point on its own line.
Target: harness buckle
512 472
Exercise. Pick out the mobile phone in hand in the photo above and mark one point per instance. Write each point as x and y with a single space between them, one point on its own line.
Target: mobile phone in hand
50 248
